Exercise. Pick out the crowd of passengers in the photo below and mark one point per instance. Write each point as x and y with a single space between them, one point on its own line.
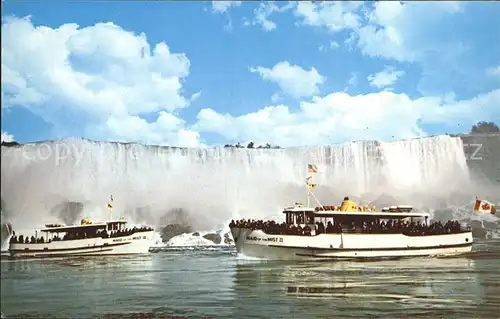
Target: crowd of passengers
391 226
78 235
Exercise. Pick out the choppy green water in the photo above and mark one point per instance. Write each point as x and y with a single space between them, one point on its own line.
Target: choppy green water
218 284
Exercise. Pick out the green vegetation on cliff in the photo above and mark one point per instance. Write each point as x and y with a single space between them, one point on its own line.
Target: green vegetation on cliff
484 128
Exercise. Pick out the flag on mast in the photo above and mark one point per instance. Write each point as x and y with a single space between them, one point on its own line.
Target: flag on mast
110 203
312 169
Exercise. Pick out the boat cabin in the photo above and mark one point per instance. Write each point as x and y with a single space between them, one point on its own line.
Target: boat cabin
299 215
86 229
351 220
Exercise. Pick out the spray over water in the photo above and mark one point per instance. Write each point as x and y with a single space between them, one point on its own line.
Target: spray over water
204 188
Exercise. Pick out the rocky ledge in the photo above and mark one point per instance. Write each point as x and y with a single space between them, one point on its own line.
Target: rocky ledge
170 231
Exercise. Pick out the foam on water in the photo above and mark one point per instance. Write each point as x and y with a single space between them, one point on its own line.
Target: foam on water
63 181
189 240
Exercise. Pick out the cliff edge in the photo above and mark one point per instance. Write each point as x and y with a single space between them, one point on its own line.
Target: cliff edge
483 155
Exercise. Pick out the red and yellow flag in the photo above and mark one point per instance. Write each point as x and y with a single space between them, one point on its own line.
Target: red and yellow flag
483 206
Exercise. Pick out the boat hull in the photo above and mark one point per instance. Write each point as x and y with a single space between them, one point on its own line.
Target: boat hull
348 245
137 243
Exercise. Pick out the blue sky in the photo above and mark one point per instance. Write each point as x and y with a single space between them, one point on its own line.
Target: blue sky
287 73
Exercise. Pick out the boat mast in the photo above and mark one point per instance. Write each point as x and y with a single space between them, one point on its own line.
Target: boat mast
311 169
308 191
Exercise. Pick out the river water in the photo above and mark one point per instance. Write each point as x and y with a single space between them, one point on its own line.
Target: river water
217 283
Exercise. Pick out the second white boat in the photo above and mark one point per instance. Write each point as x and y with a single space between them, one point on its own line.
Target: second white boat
349 231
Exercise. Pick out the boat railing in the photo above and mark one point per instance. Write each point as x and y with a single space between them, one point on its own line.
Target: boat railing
373 232
273 228
40 240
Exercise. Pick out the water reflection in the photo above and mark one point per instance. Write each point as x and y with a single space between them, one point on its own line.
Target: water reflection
176 284
487 257
83 285
425 286
216 284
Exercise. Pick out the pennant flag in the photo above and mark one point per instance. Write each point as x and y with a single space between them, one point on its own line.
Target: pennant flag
483 206
110 203
311 168
9 228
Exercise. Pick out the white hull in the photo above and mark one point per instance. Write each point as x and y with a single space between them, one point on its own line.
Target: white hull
348 245
137 243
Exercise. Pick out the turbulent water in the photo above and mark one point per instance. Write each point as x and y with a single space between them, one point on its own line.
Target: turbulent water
70 179
200 283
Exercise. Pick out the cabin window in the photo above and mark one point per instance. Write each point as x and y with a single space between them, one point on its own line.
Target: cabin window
300 218
310 218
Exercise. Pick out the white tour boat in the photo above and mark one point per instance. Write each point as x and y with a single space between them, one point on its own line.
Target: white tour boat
111 237
349 231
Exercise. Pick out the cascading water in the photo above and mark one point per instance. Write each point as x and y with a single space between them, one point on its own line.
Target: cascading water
70 179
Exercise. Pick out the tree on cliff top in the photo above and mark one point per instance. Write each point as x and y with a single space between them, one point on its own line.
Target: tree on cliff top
13 143
485 127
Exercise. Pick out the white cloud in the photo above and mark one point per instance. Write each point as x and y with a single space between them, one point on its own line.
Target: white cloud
494 71
424 33
195 96
98 79
265 10
339 117
385 78
276 97
6 137
334 15
167 128
437 37
352 82
292 79
333 45
105 79
395 29
391 29
224 6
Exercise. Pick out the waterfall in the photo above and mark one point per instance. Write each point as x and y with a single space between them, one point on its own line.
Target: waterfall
69 179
